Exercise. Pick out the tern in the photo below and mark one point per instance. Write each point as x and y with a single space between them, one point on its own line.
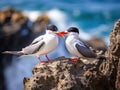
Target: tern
76 46
42 45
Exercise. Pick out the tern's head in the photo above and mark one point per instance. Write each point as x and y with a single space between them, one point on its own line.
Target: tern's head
52 27
73 29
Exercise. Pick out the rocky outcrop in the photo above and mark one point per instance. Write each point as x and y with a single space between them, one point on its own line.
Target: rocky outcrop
62 74
40 23
115 49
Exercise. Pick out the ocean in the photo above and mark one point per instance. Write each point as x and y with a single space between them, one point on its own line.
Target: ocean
92 17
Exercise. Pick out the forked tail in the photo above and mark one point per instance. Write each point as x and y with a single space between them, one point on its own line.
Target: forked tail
13 52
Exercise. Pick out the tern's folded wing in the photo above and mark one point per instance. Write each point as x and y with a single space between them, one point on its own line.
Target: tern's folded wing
38 39
33 48
85 51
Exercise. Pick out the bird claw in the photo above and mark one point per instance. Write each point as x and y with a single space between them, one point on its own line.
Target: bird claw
43 62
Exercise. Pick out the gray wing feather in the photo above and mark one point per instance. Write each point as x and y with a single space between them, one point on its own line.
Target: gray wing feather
87 46
85 51
37 39
33 48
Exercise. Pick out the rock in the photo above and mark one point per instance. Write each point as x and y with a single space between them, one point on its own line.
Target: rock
110 67
18 17
58 75
40 23
6 15
2 17
97 44
61 74
118 77
17 22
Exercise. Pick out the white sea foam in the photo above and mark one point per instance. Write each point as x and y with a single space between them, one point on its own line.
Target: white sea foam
32 15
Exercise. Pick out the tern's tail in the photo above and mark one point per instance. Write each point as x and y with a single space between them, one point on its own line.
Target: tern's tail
14 52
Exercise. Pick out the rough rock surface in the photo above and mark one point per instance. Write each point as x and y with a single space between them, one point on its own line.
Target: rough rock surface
62 74
118 77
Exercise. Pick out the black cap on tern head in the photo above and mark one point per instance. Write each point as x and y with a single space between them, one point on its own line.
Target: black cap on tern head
52 27
73 29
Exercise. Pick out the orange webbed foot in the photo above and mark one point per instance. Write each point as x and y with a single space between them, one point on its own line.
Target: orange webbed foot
42 62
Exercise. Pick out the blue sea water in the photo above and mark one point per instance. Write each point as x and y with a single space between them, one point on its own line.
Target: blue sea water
92 17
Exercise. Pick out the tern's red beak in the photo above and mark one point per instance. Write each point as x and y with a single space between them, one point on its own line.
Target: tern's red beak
61 34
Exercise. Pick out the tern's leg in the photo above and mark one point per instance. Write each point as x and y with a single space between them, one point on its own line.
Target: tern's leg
47 58
41 62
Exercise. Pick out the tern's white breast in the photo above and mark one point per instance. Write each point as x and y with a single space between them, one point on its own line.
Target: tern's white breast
51 42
